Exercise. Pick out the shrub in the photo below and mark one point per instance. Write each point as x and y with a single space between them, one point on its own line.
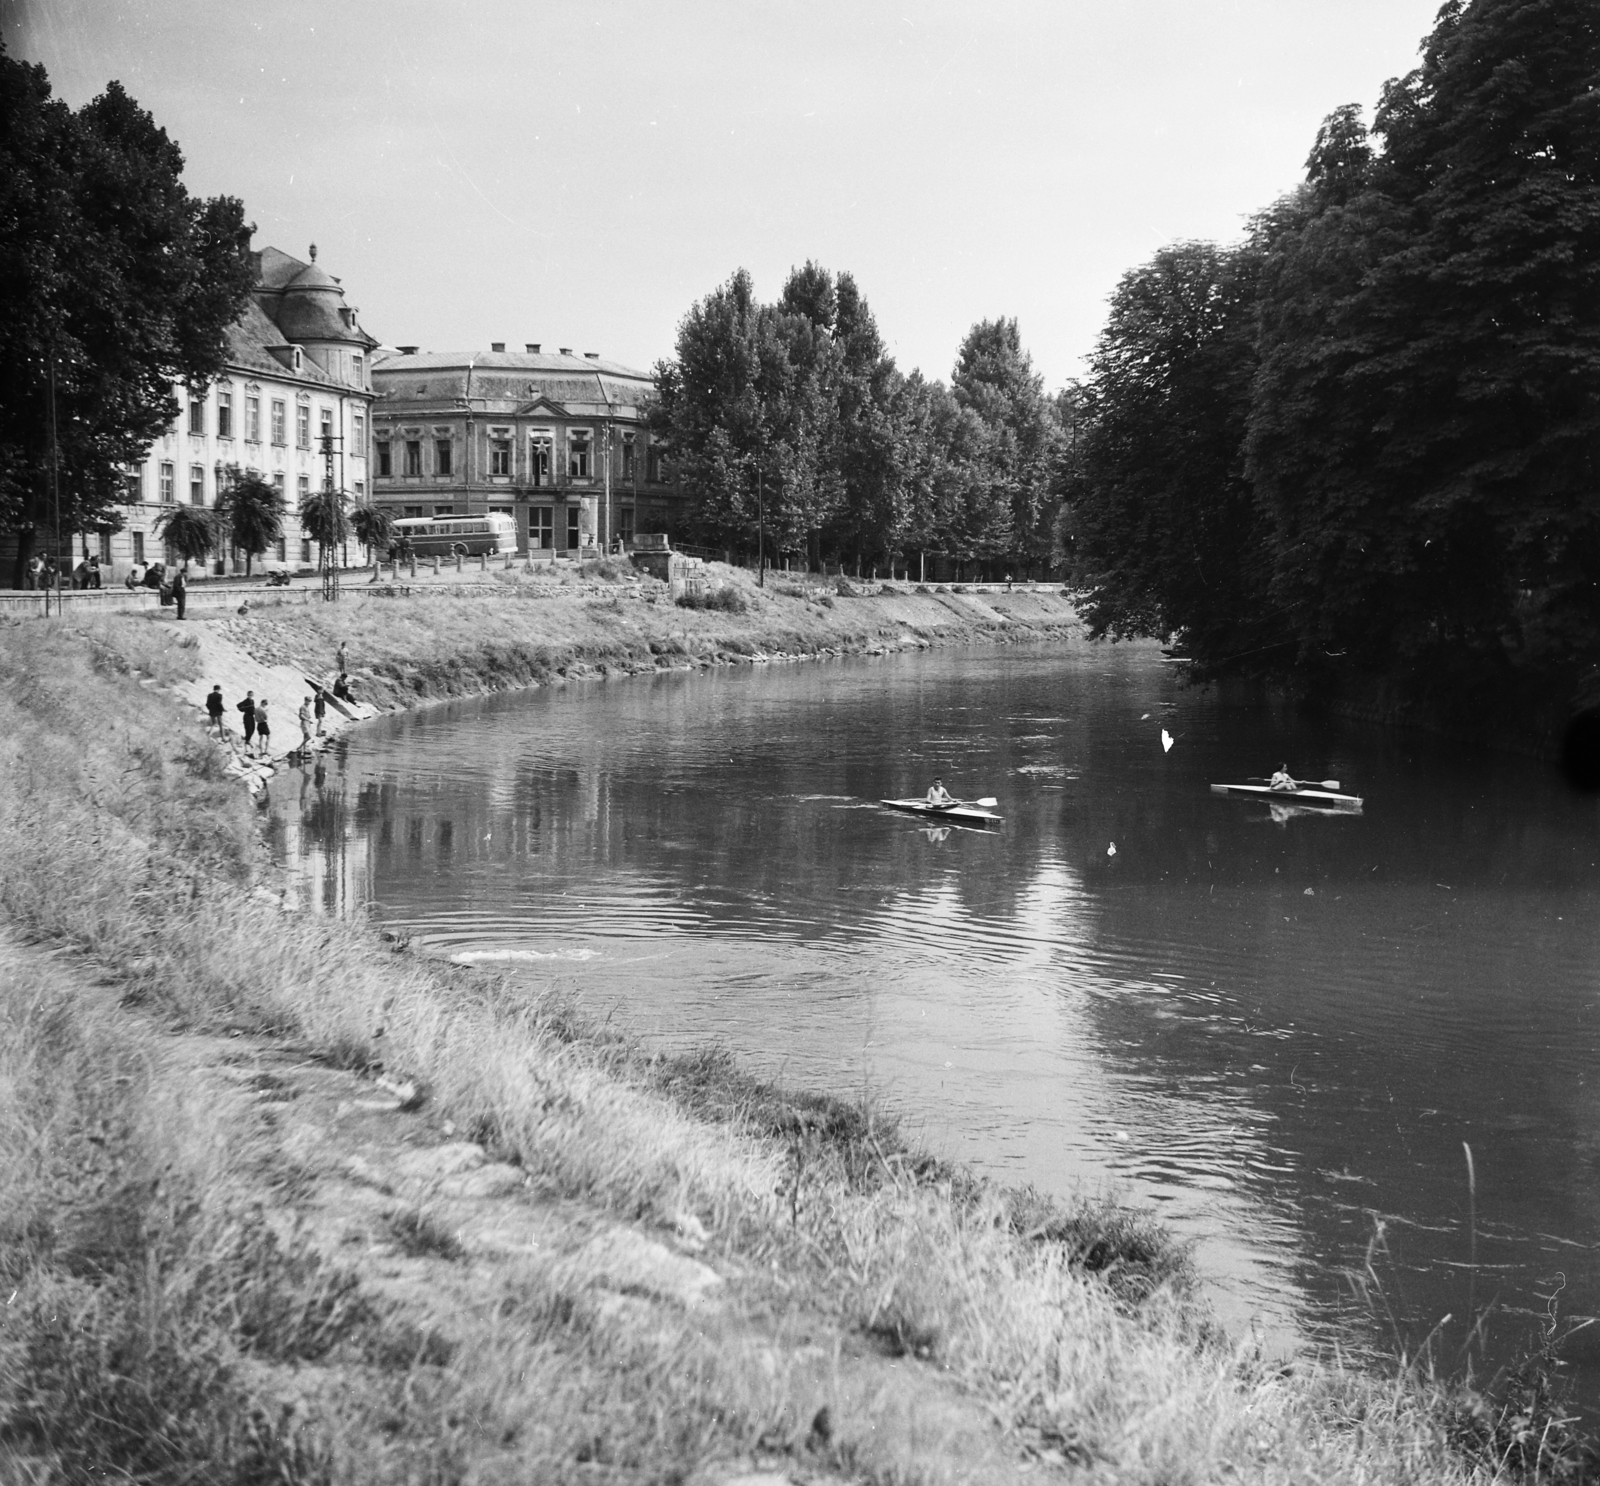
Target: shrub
728 600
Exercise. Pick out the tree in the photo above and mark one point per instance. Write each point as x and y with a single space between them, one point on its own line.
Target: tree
326 520
994 377
1426 429
190 531
374 527
253 512
114 282
1160 520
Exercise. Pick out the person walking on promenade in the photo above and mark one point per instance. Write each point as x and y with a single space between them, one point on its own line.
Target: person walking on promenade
305 725
263 729
341 667
214 706
319 708
180 589
248 707
35 572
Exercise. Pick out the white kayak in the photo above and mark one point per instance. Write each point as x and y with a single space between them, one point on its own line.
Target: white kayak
968 815
1318 799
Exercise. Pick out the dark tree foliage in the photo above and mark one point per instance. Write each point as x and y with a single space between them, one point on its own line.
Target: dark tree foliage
994 378
1161 522
113 278
800 406
252 511
190 531
1427 419
374 527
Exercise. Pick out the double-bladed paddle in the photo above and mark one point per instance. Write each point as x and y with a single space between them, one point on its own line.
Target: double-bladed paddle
1299 783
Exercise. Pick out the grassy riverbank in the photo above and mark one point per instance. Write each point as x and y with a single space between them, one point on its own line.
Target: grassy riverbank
223 1263
444 641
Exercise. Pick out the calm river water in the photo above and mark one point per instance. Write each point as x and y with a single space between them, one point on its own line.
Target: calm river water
1279 1033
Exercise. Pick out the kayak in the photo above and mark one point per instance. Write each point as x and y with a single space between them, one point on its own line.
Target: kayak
967 815
1320 799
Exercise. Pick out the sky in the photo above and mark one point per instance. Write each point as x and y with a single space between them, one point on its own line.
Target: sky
580 174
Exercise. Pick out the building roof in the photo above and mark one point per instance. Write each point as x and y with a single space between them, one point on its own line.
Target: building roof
250 341
584 387
304 301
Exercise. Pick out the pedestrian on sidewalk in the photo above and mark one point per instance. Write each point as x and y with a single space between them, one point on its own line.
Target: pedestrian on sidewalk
319 708
341 667
248 707
180 590
214 707
263 729
305 725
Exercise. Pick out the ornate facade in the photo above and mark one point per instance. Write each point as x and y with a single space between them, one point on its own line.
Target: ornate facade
556 440
298 380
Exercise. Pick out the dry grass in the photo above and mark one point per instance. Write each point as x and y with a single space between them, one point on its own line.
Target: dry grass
157 1316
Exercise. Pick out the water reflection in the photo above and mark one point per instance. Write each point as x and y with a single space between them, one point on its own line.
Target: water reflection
1279 1026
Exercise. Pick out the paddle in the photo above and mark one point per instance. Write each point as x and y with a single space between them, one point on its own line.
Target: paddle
1299 783
988 802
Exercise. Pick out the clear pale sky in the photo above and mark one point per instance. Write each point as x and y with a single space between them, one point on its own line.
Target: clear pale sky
579 174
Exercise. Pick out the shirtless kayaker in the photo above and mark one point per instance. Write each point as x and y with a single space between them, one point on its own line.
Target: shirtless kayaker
938 795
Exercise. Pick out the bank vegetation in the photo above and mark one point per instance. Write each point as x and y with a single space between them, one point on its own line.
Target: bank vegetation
174 1316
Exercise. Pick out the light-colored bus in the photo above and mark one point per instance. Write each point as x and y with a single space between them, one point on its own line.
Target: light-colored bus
446 536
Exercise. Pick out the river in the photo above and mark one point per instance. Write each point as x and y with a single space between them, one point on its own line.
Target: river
1284 1034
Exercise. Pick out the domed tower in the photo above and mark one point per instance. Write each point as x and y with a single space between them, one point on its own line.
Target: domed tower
309 310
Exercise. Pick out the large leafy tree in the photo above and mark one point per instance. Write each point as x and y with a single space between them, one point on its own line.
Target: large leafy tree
994 378
114 282
1161 523
192 532
1426 432
253 513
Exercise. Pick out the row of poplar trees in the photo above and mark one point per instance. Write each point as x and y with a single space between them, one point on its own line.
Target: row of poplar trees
1365 441
790 425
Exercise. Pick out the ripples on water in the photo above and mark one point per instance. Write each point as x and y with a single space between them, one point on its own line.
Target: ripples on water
1279 1032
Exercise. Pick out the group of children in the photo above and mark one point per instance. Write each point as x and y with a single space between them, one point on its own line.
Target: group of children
258 720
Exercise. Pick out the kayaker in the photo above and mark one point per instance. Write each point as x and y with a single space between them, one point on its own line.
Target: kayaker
1282 779
938 795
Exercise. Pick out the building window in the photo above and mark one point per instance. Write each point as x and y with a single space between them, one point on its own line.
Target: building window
252 417
138 546
283 549
502 510
539 459
442 449
500 456
410 510
625 523
385 466
197 414
358 430
277 482
578 448
325 428
359 362
133 486
302 488
413 456
105 546
361 490
224 413
444 510
541 527
305 550
652 465
302 426
279 423
167 481
197 484
627 456
572 528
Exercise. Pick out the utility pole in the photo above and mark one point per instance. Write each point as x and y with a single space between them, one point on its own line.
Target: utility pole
332 502
55 482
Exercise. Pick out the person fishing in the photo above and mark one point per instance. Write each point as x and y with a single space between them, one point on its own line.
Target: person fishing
939 795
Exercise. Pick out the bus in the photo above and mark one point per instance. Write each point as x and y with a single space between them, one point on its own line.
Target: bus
448 536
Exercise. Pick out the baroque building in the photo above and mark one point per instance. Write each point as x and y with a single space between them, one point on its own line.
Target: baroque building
556 440
297 386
